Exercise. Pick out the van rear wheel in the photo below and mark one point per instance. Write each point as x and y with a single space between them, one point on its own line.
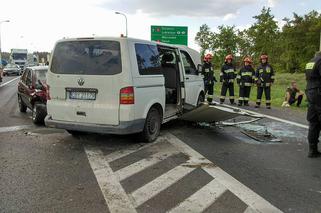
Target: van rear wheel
152 126
200 99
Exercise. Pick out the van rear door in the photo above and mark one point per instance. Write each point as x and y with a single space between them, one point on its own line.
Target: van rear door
85 79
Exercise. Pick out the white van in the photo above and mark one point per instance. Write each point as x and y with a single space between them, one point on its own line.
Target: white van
120 85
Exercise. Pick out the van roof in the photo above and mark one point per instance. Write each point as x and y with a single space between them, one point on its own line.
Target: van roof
124 38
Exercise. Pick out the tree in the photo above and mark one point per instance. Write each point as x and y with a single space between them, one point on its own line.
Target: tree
264 34
224 42
300 40
244 44
203 38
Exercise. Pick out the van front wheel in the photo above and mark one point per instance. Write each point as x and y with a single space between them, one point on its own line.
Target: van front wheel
152 126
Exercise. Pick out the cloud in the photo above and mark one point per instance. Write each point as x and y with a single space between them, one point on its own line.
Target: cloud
187 8
229 16
272 3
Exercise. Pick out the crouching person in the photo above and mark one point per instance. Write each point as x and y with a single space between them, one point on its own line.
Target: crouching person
293 95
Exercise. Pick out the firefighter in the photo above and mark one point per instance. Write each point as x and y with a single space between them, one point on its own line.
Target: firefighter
264 77
245 79
313 92
209 78
227 76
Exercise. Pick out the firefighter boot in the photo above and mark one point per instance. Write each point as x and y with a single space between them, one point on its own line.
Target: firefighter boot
246 103
313 151
240 103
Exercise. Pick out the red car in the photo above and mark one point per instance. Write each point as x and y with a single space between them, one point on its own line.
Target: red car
32 92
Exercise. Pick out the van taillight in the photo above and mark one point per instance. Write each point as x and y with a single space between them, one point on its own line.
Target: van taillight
127 95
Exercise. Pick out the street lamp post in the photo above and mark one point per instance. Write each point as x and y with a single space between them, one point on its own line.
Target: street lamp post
119 13
0 42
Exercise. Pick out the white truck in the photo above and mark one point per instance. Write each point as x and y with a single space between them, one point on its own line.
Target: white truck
124 86
19 57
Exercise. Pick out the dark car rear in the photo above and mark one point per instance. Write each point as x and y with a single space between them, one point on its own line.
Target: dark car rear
32 92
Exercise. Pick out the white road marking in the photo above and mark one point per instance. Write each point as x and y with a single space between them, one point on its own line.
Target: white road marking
8 82
145 163
241 191
159 184
272 117
114 194
14 128
201 199
249 210
118 201
122 153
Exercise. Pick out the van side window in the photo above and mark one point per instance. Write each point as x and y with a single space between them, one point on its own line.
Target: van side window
148 59
188 63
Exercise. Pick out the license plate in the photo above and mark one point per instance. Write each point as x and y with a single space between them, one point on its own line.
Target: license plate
82 95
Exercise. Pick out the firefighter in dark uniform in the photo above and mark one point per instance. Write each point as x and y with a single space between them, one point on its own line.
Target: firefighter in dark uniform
245 79
313 92
209 78
227 77
264 77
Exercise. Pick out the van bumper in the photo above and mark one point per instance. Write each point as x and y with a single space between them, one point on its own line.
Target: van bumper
124 128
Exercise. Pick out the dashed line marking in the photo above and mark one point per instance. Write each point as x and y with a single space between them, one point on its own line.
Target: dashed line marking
8 82
14 128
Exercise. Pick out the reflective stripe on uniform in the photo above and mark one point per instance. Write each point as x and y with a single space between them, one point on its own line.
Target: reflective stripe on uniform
268 101
231 97
268 70
229 71
247 84
309 66
238 76
222 97
258 101
272 77
261 71
221 74
246 74
231 80
209 96
246 98
207 70
241 98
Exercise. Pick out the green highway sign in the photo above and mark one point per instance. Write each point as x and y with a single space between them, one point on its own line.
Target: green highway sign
170 34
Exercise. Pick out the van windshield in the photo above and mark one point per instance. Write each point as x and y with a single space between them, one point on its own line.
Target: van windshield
87 58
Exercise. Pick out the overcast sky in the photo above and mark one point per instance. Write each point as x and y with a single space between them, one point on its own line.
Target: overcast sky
37 24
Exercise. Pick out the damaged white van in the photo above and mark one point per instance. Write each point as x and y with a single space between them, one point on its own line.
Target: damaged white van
120 85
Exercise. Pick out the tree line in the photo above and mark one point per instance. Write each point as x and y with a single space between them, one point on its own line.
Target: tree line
289 48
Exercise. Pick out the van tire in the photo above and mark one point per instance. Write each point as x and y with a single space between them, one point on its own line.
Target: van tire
200 99
152 126
22 106
38 115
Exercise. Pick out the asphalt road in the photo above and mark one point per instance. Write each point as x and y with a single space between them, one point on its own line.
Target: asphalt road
190 168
